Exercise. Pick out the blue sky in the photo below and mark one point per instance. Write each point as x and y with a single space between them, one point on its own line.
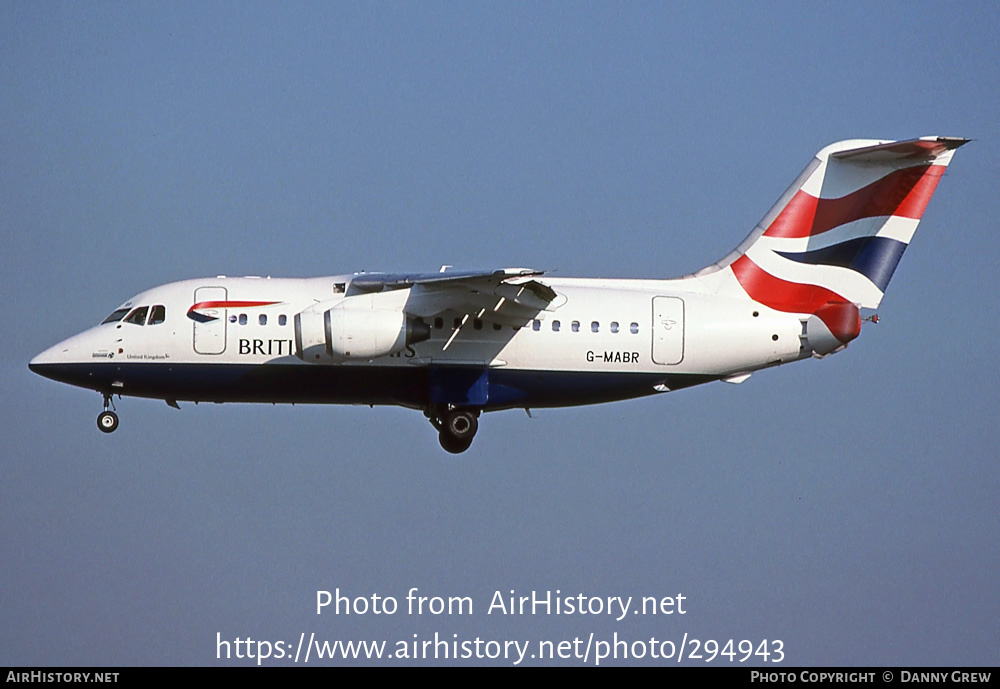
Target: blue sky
846 506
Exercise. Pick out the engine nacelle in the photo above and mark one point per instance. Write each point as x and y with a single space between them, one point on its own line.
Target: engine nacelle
369 333
832 327
349 330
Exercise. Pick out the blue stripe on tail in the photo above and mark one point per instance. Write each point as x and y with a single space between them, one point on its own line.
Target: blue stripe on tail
874 257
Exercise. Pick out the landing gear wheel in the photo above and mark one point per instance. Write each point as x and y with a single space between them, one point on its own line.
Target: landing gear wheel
456 430
461 424
107 421
452 444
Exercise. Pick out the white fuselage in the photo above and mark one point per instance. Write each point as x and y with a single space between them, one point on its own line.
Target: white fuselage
653 333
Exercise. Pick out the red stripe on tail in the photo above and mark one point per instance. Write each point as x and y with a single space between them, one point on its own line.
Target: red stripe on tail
902 193
778 294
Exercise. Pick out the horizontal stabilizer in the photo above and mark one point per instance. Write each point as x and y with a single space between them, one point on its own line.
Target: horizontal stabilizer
927 148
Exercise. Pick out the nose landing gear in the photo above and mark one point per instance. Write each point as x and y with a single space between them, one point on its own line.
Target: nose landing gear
107 421
456 428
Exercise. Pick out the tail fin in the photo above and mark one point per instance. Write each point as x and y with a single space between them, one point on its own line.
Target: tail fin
836 235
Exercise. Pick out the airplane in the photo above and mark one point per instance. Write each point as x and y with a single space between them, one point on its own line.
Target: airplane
455 344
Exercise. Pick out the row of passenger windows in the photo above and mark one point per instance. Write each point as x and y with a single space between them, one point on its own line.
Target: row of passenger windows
595 326
261 319
157 314
536 325
140 315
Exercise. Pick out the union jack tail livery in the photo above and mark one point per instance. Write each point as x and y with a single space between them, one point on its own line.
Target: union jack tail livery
832 241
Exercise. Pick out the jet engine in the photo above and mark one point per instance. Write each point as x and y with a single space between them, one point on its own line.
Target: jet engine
347 330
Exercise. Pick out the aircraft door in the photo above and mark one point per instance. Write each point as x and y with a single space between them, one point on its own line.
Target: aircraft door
668 330
209 321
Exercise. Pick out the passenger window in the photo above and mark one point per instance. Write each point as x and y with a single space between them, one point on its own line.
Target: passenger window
575 326
595 327
536 325
477 324
634 328
138 316
282 320
555 326
438 323
232 318
614 326
497 326
158 315
262 319
243 319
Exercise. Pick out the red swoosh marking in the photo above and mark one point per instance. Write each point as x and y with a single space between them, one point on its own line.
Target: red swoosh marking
229 305
778 294
902 193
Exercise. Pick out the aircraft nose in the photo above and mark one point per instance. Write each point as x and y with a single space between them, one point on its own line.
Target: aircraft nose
46 363
56 361
49 356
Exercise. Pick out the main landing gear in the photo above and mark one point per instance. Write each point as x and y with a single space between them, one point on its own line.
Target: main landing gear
107 421
456 428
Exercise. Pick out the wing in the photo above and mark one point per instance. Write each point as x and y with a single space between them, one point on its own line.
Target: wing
512 296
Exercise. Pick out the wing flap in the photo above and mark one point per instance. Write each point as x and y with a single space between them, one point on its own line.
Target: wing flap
511 296
379 282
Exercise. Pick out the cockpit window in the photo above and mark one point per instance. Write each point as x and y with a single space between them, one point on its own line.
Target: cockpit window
138 316
157 315
115 317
